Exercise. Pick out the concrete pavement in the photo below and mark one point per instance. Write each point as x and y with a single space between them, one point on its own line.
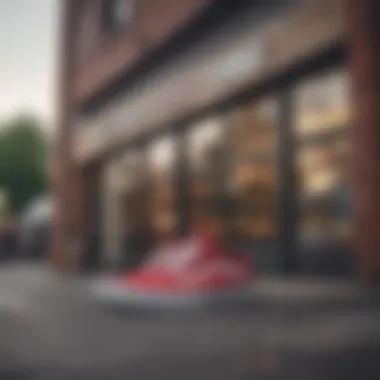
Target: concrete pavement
50 329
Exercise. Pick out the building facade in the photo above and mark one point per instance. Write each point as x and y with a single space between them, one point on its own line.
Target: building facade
254 120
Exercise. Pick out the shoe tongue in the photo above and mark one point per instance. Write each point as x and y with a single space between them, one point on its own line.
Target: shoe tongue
197 248
209 245
182 253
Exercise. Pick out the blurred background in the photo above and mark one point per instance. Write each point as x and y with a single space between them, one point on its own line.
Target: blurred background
27 115
125 124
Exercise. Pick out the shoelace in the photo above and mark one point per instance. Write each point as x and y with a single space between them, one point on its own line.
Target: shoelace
174 257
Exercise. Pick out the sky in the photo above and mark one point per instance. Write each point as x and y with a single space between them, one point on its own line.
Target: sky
28 56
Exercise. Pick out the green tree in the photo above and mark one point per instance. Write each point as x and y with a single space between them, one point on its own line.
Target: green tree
23 155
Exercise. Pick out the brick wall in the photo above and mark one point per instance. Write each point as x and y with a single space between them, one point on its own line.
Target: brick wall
364 53
153 21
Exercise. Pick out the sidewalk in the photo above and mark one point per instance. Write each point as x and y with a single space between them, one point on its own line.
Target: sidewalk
313 294
57 332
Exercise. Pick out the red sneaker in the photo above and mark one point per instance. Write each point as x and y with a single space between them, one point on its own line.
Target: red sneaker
193 271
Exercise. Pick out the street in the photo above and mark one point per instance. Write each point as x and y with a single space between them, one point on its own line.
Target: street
51 329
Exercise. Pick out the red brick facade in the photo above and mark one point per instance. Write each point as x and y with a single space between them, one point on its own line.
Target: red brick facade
364 53
155 20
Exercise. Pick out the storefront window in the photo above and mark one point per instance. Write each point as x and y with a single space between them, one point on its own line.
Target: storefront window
133 183
161 160
322 160
207 175
124 210
254 174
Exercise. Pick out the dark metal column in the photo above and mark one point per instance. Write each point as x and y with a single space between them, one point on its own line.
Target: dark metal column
287 191
181 182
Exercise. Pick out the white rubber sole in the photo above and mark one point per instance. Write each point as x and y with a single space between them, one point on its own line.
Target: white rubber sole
108 293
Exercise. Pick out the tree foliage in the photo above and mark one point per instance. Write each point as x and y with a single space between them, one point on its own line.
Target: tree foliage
23 155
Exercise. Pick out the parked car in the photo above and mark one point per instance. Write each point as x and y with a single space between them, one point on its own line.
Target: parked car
8 239
35 226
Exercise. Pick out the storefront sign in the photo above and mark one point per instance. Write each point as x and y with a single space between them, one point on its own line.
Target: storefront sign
171 97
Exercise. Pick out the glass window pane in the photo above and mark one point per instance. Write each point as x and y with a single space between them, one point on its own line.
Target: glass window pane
323 138
161 160
124 210
206 148
133 182
254 149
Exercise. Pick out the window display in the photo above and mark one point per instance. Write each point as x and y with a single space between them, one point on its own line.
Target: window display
134 188
254 177
207 170
322 134
161 160
124 209
233 173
